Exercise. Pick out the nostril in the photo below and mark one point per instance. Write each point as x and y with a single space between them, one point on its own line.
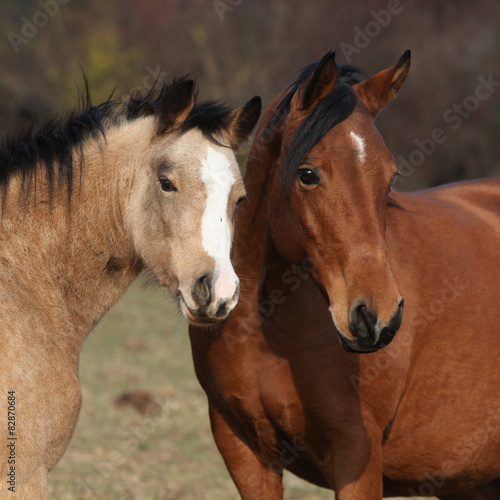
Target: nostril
202 289
221 310
362 321
397 319
362 314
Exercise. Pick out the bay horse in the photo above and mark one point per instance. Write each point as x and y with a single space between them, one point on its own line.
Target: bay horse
147 183
327 252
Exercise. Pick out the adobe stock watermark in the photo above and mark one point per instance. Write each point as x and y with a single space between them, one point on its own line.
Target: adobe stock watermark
423 317
363 36
224 6
467 446
293 278
86 487
287 456
31 27
153 77
270 133
454 118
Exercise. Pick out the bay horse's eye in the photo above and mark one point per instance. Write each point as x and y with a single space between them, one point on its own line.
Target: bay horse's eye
393 181
166 185
307 176
243 198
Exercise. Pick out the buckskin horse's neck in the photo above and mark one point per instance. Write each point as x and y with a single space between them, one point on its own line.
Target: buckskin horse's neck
73 262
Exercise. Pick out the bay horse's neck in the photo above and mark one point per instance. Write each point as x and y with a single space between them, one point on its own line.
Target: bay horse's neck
252 218
73 262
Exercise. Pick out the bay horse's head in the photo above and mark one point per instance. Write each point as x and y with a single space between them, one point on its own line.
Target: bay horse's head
184 199
329 200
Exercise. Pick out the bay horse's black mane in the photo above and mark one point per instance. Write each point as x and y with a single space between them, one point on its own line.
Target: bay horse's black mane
51 145
327 113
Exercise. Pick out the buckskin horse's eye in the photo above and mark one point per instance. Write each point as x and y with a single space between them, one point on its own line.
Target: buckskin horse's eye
307 176
166 185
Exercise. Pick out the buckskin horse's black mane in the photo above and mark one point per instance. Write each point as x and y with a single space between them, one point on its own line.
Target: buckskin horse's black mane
50 146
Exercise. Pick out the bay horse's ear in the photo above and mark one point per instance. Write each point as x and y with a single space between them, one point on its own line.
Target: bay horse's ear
379 90
243 120
319 84
175 105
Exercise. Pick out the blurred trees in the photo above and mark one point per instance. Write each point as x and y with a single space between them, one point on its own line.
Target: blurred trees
239 48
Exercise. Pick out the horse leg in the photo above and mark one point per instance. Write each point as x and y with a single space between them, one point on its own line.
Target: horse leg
354 465
254 480
355 482
489 491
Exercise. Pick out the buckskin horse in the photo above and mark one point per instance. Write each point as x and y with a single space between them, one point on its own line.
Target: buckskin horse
326 252
149 183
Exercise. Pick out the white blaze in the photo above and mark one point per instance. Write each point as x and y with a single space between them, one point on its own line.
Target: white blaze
359 146
216 235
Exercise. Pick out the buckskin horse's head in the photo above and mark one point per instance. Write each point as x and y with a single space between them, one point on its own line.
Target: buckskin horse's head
184 196
329 200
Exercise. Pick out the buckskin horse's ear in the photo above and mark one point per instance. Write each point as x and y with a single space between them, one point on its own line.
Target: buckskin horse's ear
319 84
175 105
243 120
379 90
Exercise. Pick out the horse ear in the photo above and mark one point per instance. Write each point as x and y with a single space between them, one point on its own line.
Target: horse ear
175 105
243 120
319 84
379 90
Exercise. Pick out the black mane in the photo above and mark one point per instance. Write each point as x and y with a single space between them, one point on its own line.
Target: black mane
327 113
210 117
51 145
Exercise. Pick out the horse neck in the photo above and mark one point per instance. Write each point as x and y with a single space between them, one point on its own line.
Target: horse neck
251 222
73 262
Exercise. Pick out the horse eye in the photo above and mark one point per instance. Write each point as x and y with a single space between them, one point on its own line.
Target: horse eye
166 185
243 198
307 176
394 179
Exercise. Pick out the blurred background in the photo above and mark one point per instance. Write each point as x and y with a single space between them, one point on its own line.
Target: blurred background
239 48
444 126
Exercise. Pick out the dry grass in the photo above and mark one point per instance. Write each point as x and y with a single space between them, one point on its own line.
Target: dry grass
117 453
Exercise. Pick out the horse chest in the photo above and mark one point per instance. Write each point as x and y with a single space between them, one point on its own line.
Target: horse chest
261 396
